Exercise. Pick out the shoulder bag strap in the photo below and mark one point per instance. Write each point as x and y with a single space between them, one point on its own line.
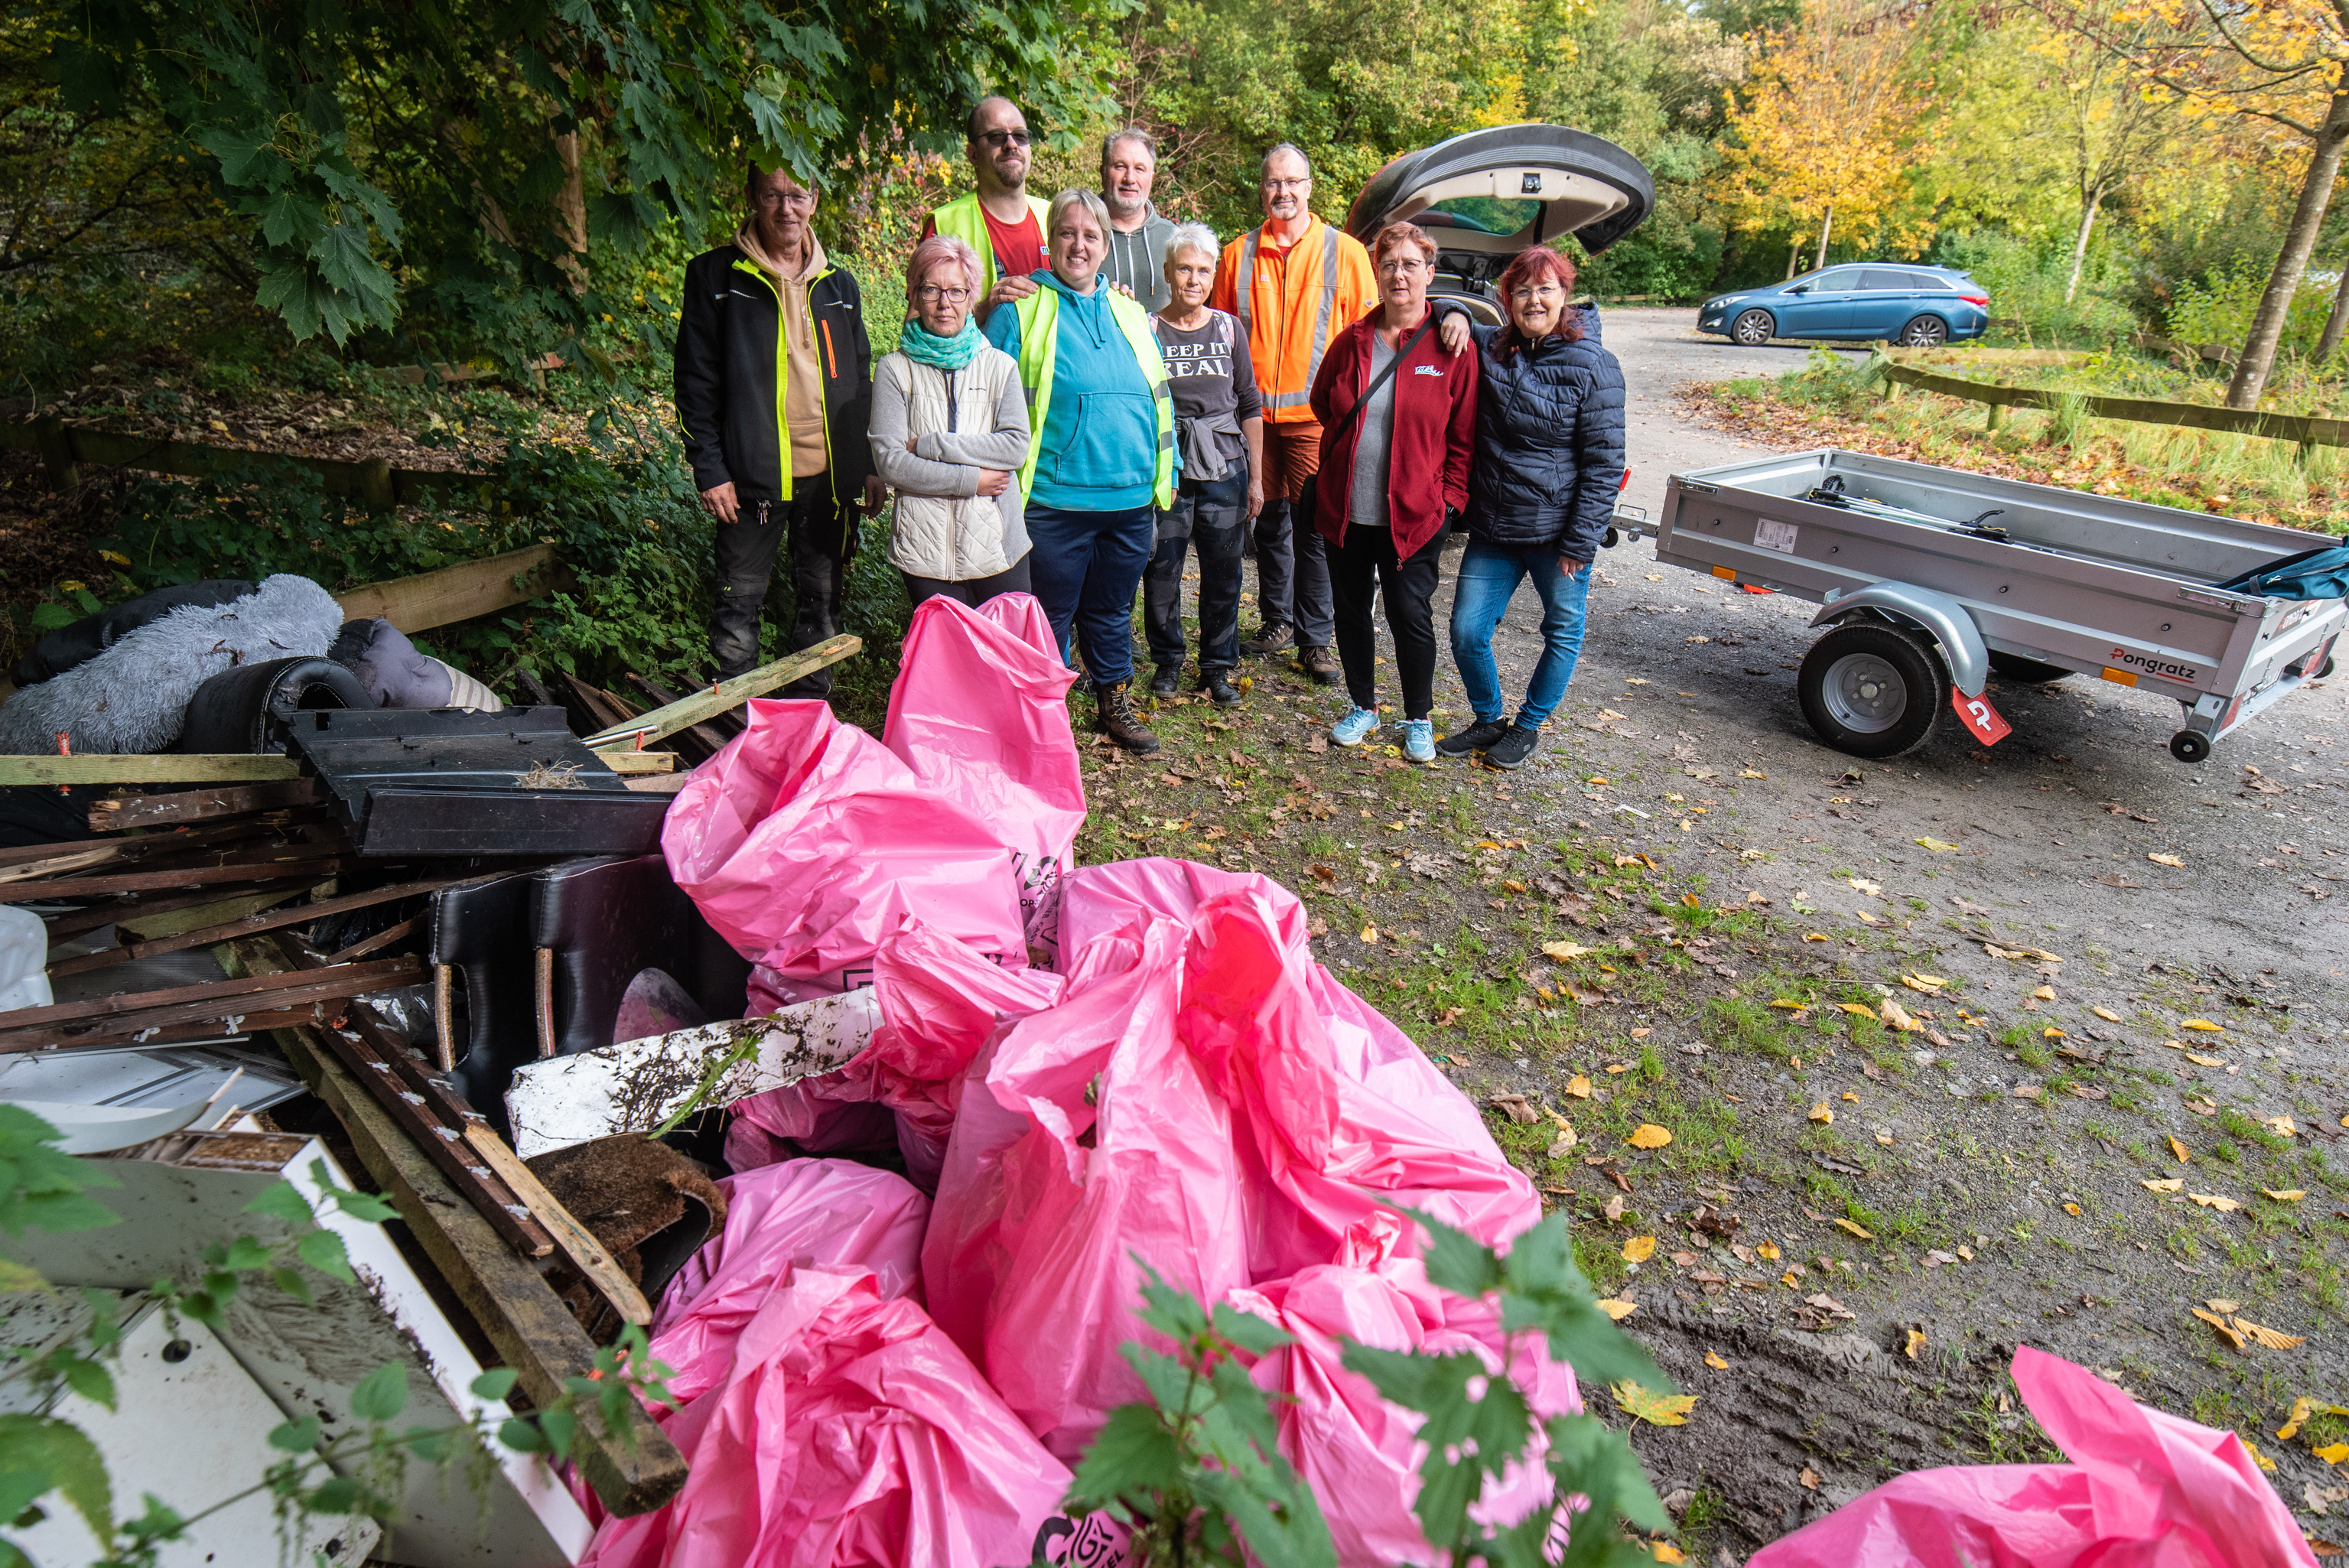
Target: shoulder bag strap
1381 378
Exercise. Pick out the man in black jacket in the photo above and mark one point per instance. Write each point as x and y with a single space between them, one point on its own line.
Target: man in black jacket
775 388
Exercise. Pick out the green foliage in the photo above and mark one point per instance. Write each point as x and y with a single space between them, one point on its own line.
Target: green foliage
1197 1470
2220 308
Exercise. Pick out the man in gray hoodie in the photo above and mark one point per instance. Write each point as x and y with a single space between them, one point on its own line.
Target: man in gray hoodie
1137 234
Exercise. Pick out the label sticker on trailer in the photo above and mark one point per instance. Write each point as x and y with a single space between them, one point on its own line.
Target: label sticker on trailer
1981 719
1771 534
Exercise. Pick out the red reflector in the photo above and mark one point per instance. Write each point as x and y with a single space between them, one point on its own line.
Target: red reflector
1983 300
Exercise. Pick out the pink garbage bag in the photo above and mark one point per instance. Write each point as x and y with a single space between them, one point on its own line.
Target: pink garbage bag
980 713
842 1430
1360 1454
2144 1489
805 843
1085 1134
939 1001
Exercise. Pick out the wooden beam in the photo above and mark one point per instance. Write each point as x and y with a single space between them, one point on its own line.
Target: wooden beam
196 805
249 926
324 861
633 1472
64 445
704 705
600 1267
148 768
639 762
460 592
34 1029
2303 428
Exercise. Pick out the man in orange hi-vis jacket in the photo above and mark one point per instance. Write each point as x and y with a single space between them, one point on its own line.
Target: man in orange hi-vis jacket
1295 283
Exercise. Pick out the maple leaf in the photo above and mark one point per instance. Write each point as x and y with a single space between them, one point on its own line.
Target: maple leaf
1647 1405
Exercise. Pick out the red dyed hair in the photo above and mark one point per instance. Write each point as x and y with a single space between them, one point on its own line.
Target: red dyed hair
1541 264
1394 236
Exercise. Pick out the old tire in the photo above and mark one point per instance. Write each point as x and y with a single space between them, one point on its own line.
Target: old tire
1873 690
2030 672
1754 327
1925 332
2190 746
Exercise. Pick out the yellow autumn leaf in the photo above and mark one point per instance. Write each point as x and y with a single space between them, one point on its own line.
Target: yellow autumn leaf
1789 1279
1639 1249
2106 1014
1712 1358
2212 1200
2167 860
2302 1408
1616 1308
2179 1152
1928 984
1648 1135
1370 934
2226 1330
1665 1552
1647 1405
1940 846
1862 885
2205 1026
1788 1005
2171 1184
2331 1454
1865 1235
1857 1009
2201 1061
2046 993
1814 937
1917 1342
1579 1087
1823 1112
2258 1457
2288 1195
2052 1033
1768 1251
2284 1125
2274 1339
1565 950
1851 1096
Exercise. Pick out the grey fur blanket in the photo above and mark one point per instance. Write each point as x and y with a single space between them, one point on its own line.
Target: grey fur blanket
133 696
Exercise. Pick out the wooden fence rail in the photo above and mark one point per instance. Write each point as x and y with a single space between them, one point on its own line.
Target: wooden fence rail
63 448
2307 430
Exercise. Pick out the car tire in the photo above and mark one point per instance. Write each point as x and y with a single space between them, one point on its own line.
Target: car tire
2030 672
1754 328
1872 690
1925 332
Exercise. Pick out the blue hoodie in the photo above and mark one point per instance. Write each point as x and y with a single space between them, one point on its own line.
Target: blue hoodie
1098 450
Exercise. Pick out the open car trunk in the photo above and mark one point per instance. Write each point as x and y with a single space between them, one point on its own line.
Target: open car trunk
1486 195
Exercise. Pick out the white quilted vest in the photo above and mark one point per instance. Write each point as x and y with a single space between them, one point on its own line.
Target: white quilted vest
956 538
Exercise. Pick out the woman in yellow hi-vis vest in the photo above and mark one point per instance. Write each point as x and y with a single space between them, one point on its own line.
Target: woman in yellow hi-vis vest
1101 462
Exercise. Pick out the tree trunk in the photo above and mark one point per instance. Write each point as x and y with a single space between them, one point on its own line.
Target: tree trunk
2080 244
2338 319
1793 255
2267 326
571 211
1827 226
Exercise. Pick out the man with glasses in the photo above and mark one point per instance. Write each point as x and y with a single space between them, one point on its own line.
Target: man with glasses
774 390
1137 234
1294 284
999 220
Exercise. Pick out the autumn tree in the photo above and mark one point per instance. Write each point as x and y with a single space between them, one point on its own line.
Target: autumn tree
1828 127
2111 116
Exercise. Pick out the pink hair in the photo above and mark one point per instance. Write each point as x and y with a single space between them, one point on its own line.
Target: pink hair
931 252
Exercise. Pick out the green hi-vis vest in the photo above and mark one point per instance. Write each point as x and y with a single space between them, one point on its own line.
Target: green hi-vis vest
1039 349
783 375
962 219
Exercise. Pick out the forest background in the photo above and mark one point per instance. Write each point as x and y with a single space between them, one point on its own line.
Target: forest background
229 218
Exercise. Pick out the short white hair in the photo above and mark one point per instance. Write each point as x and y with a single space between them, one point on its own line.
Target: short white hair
1193 237
1074 197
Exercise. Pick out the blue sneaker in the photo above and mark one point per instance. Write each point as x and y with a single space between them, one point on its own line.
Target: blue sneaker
1354 729
1419 739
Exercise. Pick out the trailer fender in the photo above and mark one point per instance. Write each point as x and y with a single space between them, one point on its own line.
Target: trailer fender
1938 615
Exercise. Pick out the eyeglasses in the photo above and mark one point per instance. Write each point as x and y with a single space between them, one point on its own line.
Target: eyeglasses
1403 264
769 199
930 294
1289 184
1000 140
1539 291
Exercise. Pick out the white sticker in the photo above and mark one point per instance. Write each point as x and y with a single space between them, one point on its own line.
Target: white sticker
1773 535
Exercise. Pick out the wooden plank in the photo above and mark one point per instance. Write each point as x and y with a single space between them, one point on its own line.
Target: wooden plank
209 998
633 1472
639 762
601 1269
325 862
2303 428
248 925
196 805
698 743
205 1028
460 592
148 925
73 922
148 768
380 939
726 695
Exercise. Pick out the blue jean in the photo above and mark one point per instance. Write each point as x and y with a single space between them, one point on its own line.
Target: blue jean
1489 576
1084 566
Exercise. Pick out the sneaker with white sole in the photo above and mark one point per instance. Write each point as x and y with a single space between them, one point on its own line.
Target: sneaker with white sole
1419 739
1358 726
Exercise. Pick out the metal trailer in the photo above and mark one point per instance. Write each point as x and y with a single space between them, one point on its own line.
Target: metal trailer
1932 579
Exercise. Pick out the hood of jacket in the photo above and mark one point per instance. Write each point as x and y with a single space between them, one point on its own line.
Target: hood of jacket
1086 315
746 240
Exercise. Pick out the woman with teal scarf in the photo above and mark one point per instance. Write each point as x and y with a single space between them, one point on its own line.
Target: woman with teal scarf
949 430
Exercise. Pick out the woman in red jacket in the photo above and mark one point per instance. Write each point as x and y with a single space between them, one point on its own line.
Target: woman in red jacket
1394 466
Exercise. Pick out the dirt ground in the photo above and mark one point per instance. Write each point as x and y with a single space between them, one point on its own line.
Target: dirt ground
2064 1074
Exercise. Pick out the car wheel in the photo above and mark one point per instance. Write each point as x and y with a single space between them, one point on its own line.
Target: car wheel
1754 327
1925 332
2029 672
1872 690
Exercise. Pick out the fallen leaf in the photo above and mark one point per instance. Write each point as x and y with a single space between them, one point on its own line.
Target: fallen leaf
1815 936
1916 1341
2205 1026
1788 1005
1665 1552
2200 1061
1823 1112
2289 1196
2212 1200
1857 1009
1863 1234
2106 1014
1929 984
1648 1135
2179 1152
1851 1096
2302 1408
1639 1249
2046 993
2073 1209
1616 1308
2169 1185
2282 1124
1647 1405
1579 1087
2331 1454
1940 846
1712 1358
2177 861
2053 1033
2222 1304
1565 950
2224 1329
1872 889
1751 773
2203 1106
2273 1339
1516 1105
1614 1209
1896 1017
1370 934
1809 1478
1767 1250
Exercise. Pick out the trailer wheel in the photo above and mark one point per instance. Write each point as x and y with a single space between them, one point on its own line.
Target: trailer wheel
2030 672
1873 690
2190 746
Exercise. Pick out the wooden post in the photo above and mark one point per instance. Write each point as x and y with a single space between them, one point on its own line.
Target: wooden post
375 485
1998 412
54 443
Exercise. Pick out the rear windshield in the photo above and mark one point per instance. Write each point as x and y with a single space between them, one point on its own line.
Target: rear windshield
1493 214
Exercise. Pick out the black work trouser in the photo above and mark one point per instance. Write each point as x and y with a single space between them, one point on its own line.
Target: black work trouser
821 535
1206 518
971 591
1363 566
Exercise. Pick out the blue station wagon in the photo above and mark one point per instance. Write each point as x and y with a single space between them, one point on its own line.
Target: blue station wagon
1868 302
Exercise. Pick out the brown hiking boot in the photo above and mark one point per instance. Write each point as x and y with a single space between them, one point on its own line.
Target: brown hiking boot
1273 639
1118 721
1320 664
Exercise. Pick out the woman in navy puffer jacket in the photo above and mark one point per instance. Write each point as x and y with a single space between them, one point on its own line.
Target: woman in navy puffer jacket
1541 491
